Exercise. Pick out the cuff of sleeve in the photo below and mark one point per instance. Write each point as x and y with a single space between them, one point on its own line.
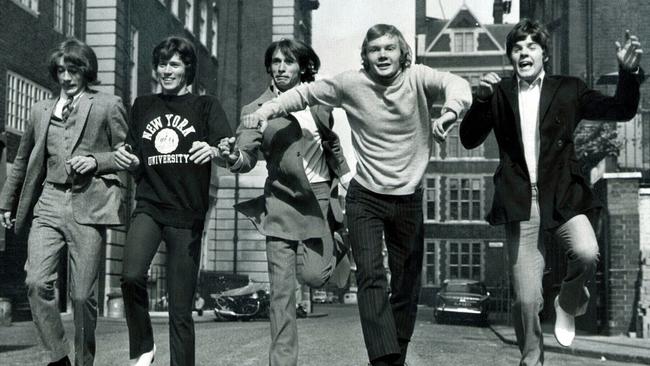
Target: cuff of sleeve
452 106
237 165
346 178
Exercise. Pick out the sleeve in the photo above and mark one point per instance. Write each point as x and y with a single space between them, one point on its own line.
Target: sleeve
249 142
321 92
133 139
218 126
456 90
14 182
622 106
477 123
116 130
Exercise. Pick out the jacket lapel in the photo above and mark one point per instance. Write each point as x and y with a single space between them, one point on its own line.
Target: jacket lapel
44 122
80 118
511 92
549 88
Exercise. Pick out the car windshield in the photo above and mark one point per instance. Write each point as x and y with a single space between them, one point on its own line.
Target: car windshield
474 288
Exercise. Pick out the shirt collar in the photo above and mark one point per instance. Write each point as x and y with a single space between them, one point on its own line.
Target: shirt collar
274 89
524 85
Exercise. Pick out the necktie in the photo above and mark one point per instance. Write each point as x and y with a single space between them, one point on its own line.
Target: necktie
67 109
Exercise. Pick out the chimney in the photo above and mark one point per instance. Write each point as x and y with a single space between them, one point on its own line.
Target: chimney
497 11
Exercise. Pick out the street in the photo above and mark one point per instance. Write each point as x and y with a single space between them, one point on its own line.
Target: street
334 339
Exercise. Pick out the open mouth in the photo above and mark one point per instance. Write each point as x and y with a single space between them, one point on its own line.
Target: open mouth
525 64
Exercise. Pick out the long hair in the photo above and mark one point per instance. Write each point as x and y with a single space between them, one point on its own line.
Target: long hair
75 52
380 30
303 54
170 46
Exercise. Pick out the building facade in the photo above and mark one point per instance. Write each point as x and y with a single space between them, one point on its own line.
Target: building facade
458 184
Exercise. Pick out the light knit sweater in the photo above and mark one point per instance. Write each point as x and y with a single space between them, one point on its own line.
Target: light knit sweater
390 124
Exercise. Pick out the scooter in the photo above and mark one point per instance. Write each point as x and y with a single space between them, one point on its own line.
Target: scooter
244 303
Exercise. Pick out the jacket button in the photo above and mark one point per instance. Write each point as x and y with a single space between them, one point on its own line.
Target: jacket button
557 120
560 143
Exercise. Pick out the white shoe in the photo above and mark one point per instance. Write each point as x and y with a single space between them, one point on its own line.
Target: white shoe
565 328
145 359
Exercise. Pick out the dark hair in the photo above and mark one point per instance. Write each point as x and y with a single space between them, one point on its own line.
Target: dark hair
526 27
170 46
305 56
380 30
77 53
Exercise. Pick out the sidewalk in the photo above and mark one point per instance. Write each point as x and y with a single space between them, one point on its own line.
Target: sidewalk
614 348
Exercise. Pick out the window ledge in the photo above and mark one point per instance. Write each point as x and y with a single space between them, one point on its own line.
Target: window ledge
26 8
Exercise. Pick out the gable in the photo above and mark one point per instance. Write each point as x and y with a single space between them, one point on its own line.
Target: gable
464 19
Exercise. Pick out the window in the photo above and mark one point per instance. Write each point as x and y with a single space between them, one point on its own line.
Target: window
431 266
455 149
58 15
174 7
22 93
69 18
464 260
465 199
463 42
215 31
431 197
189 14
203 22
133 63
31 5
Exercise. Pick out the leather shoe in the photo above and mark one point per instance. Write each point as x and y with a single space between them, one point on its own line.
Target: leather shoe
145 359
565 328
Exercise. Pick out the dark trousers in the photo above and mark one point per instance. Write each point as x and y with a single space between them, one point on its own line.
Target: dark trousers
183 253
387 324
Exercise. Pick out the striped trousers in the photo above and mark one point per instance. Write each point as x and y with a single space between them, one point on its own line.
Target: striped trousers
387 322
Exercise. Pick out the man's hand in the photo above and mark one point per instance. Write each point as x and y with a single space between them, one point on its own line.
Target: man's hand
486 85
629 55
82 164
254 120
7 221
201 152
125 159
227 151
442 125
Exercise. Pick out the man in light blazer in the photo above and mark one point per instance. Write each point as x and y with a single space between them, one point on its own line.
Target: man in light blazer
64 175
539 187
299 210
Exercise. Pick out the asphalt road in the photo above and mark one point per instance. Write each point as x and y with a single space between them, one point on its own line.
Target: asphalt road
334 339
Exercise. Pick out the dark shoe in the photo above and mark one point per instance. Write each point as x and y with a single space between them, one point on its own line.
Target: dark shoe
65 361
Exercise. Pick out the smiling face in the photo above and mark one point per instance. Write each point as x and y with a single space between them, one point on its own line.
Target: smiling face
171 75
284 70
383 55
527 58
70 78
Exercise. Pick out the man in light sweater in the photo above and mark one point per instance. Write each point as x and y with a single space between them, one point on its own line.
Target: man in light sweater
387 105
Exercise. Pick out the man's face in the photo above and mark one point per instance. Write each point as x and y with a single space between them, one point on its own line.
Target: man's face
70 78
171 74
383 55
284 70
527 58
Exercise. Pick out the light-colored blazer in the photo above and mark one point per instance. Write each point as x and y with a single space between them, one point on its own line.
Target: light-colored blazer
100 128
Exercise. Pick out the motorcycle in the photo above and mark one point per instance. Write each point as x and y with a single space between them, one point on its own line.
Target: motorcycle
244 303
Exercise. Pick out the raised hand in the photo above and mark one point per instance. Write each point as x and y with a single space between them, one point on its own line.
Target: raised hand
486 85
442 125
254 120
201 152
125 159
629 54
227 151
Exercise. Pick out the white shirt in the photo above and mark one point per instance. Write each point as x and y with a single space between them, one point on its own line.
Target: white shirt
313 158
529 94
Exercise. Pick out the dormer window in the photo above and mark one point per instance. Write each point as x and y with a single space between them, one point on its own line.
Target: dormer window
463 42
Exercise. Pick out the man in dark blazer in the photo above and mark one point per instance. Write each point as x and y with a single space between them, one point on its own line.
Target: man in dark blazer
539 187
299 210
64 174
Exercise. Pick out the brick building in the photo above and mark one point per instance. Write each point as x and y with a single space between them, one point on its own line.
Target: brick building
458 241
230 39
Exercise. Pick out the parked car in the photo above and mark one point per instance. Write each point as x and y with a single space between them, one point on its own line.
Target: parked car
319 296
462 299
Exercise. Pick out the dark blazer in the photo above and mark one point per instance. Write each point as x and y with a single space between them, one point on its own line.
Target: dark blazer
100 127
289 209
564 101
